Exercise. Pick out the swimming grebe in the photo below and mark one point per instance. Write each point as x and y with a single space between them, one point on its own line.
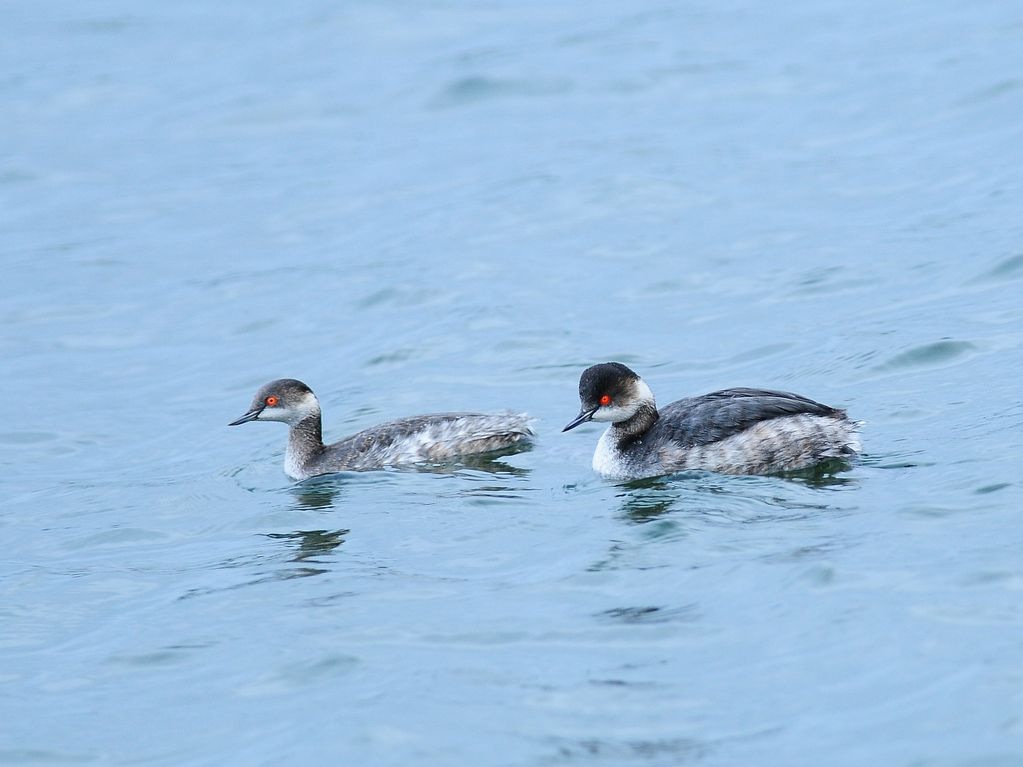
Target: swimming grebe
425 438
733 431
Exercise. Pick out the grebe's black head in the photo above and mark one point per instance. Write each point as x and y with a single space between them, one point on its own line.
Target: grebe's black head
284 400
610 392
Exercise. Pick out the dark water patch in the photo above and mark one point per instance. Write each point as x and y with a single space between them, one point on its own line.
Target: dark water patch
301 674
649 614
824 474
467 91
623 683
648 499
937 511
642 509
607 751
895 460
332 600
826 480
167 657
803 553
13 176
1009 269
1000 616
619 557
818 575
759 353
282 574
316 498
825 280
491 496
119 536
1008 577
301 554
1012 725
1002 88
670 505
325 492
310 544
664 530
986 489
106 25
32 756
478 638
393 357
404 296
935 354
27 437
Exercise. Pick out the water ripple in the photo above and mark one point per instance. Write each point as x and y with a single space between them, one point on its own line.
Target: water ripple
470 90
934 354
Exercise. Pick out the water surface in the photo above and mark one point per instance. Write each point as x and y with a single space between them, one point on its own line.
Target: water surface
417 207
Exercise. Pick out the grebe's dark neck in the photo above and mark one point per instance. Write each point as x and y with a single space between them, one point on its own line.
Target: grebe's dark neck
305 443
308 431
639 423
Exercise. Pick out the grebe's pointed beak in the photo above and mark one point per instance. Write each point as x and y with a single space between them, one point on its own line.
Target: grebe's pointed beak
583 417
252 415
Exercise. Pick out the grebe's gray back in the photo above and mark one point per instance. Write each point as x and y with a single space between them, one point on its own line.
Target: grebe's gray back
733 431
421 439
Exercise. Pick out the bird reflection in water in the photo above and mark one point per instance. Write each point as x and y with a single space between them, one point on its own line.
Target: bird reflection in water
311 546
645 500
316 494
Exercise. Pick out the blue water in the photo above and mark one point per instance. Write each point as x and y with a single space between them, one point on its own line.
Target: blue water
424 206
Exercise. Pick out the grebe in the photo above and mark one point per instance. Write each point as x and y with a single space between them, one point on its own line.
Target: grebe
733 431
425 438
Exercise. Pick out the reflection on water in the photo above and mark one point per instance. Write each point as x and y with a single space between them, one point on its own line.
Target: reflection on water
490 463
650 614
610 751
311 543
316 494
640 507
305 547
483 479
645 500
823 474
320 493
311 547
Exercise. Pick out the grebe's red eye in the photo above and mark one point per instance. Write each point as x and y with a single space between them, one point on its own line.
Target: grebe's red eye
605 400
272 400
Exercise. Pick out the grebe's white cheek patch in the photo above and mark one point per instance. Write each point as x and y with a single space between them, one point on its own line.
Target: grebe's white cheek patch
272 414
614 413
307 405
643 393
